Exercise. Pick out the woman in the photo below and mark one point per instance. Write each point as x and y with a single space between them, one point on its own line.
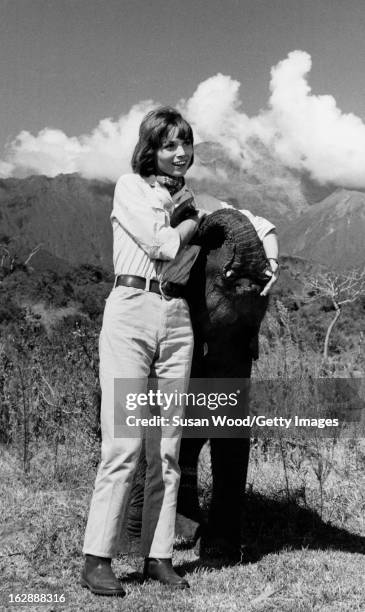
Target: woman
147 336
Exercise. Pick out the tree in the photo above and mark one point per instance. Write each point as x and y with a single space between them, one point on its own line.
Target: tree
341 288
10 258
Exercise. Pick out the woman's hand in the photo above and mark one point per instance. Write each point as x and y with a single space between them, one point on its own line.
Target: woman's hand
200 215
273 274
187 211
184 211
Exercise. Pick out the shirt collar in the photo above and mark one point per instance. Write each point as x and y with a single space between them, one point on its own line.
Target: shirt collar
153 182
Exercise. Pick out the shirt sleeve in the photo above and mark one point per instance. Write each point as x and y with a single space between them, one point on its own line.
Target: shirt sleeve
261 225
144 219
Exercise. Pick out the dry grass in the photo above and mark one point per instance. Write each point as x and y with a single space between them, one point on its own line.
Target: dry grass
303 518
304 562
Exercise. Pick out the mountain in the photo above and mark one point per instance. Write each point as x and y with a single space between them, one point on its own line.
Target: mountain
258 182
331 232
67 215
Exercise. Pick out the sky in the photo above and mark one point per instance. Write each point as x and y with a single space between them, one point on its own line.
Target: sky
78 75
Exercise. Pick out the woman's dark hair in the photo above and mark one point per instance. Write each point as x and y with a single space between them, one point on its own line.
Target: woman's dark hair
155 127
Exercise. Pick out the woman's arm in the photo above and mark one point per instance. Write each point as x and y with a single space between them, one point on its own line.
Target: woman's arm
187 228
271 248
271 245
141 215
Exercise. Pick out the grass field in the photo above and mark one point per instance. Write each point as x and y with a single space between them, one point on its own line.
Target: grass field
307 542
304 513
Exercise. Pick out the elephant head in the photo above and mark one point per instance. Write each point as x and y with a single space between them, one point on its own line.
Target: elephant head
224 288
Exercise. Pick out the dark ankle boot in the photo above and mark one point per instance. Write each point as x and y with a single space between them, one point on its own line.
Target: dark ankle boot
162 570
98 576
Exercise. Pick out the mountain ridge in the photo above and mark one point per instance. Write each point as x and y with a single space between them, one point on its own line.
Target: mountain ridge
69 215
331 232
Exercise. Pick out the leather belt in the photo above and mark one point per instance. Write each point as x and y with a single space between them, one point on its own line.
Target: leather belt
166 288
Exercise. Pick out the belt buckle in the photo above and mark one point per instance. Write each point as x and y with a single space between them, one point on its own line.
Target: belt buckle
164 287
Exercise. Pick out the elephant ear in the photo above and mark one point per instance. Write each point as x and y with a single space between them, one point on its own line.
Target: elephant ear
240 250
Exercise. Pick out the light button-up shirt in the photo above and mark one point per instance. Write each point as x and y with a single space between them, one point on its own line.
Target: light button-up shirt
144 243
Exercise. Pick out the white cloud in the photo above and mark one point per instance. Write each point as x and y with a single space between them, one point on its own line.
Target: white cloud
214 111
304 131
309 131
104 154
6 169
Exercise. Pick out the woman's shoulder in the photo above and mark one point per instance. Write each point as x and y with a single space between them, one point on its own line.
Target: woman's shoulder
130 182
130 178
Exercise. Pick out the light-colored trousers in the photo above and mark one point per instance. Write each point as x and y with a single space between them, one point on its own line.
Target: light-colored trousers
143 334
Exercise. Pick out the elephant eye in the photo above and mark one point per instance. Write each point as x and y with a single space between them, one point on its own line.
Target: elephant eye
228 273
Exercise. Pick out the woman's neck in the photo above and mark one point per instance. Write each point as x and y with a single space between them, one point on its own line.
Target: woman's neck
172 183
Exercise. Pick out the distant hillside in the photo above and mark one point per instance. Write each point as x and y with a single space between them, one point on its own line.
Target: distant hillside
69 215
259 182
331 232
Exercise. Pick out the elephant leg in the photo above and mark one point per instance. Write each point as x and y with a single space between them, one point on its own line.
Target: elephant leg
188 499
229 470
135 507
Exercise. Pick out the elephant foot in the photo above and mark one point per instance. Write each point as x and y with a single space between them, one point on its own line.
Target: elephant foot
219 551
218 554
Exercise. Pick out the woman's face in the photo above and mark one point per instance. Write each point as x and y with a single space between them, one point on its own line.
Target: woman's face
174 155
